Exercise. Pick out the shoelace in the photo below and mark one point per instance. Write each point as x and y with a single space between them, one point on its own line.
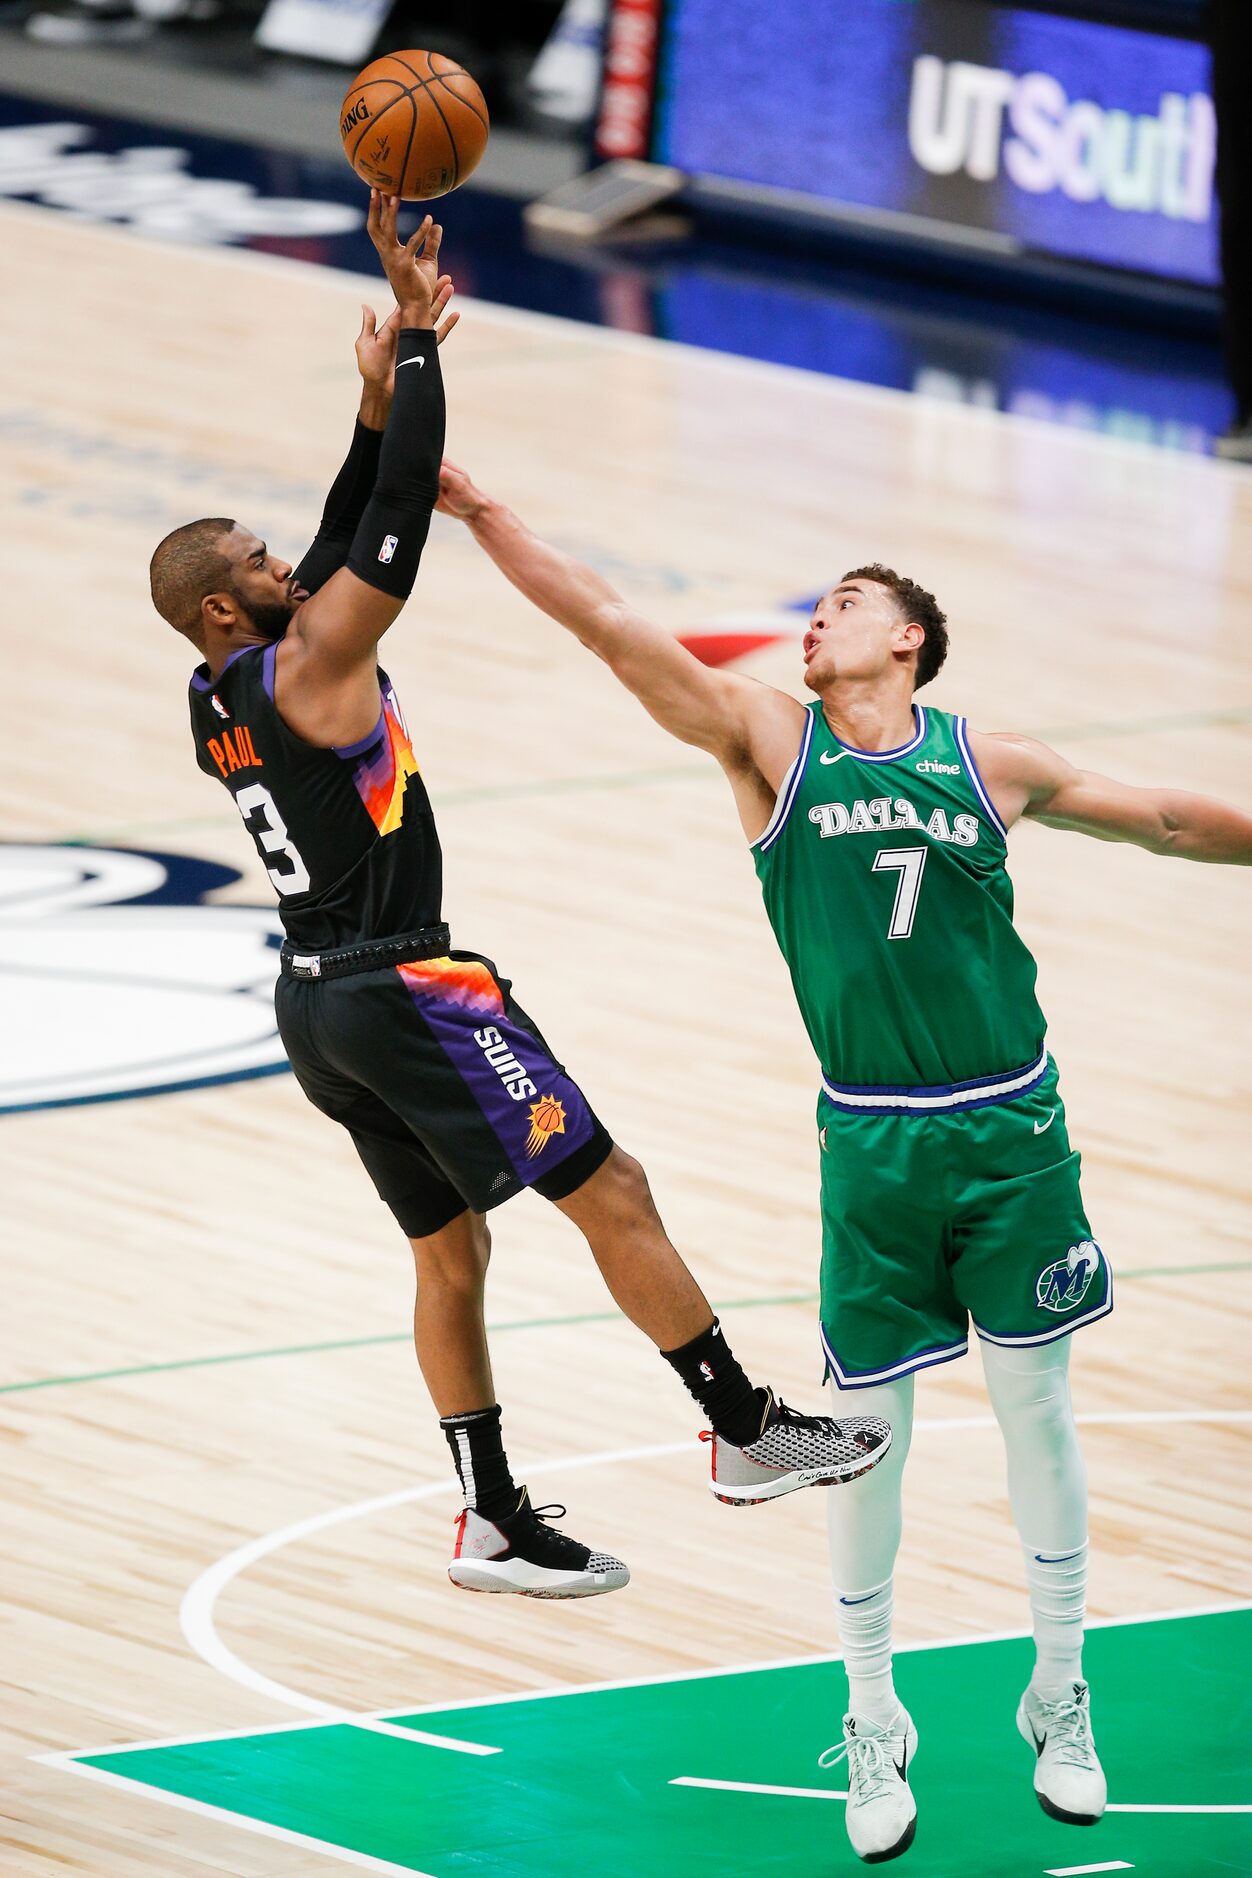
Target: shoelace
871 1771
824 1424
556 1544
1068 1727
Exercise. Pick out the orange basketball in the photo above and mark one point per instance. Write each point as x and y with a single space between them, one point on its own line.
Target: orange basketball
414 124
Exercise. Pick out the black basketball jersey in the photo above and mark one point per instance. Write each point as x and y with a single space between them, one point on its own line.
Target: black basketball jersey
346 835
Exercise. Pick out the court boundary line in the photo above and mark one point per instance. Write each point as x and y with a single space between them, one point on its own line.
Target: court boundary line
615 338
823 1793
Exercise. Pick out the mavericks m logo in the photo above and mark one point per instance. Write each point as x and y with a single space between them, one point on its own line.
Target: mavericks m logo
1062 1286
117 980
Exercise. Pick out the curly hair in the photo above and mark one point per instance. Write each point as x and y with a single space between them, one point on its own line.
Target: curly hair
916 605
186 567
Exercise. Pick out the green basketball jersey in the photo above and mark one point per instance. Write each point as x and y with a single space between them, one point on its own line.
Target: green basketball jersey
885 883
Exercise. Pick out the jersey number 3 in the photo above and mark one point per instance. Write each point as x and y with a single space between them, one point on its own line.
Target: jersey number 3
909 864
265 825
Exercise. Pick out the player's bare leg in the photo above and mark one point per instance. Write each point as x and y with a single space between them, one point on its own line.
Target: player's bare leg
448 1329
761 1448
649 1282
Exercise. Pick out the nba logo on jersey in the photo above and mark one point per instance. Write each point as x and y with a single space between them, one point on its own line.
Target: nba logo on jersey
390 544
1063 1285
218 706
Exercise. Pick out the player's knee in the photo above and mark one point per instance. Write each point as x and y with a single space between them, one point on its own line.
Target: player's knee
455 1259
629 1196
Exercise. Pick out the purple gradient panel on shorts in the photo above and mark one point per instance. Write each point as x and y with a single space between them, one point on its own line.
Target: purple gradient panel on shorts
463 1006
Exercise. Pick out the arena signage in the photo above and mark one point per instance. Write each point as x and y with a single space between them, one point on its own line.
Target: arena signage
998 128
960 117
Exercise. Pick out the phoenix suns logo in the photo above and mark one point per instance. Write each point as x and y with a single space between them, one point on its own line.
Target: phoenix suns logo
1063 1285
547 1118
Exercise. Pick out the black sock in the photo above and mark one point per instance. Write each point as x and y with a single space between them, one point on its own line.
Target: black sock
481 1463
708 1368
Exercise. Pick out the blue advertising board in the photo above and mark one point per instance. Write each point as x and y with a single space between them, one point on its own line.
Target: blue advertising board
1019 129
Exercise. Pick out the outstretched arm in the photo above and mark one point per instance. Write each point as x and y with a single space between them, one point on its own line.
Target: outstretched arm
354 485
326 669
707 708
1027 778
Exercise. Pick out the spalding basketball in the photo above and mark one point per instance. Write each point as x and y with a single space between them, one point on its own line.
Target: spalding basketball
414 124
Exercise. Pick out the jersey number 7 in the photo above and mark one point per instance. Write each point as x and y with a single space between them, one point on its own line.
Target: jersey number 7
909 863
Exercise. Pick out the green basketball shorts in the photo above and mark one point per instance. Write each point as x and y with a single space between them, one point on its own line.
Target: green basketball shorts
930 1220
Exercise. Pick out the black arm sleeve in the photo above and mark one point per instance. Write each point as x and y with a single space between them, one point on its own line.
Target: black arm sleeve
391 534
345 505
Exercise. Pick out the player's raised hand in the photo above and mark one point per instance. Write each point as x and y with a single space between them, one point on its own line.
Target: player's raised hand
376 345
412 266
457 494
376 348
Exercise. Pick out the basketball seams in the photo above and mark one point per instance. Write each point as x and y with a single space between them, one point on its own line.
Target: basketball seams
468 103
453 70
440 78
456 155
404 167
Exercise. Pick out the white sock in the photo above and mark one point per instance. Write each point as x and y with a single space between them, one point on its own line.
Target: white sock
863 1522
1058 1604
865 1633
1029 1390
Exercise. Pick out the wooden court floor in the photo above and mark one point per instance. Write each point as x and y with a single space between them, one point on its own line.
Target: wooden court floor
202 1344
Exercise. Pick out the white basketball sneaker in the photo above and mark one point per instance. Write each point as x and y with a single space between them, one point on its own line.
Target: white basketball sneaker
1069 1780
882 1813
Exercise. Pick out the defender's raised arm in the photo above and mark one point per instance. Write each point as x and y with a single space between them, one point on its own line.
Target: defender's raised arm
717 711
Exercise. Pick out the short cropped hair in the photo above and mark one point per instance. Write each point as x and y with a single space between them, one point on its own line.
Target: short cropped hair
916 605
188 566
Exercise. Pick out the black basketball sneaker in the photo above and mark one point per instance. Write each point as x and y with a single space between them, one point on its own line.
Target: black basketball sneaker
524 1554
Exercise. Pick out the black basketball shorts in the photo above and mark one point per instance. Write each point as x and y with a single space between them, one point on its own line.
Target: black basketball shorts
449 1092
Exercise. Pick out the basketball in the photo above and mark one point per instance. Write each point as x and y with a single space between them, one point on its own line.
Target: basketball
414 124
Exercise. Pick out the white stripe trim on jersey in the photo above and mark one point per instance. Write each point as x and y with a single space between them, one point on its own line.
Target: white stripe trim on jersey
960 726
1062 1330
946 1099
889 756
924 1359
788 790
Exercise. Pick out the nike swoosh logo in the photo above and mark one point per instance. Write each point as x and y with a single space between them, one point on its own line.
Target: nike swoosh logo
1040 1741
900 1766
1042 1128
419 360
1062 1560
838 758
864 1600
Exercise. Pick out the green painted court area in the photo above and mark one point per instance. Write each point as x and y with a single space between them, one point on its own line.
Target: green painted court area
584 1781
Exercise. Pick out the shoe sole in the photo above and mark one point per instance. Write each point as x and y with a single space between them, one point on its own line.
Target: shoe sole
1050 1807
486 1575
901 1845
757 1492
